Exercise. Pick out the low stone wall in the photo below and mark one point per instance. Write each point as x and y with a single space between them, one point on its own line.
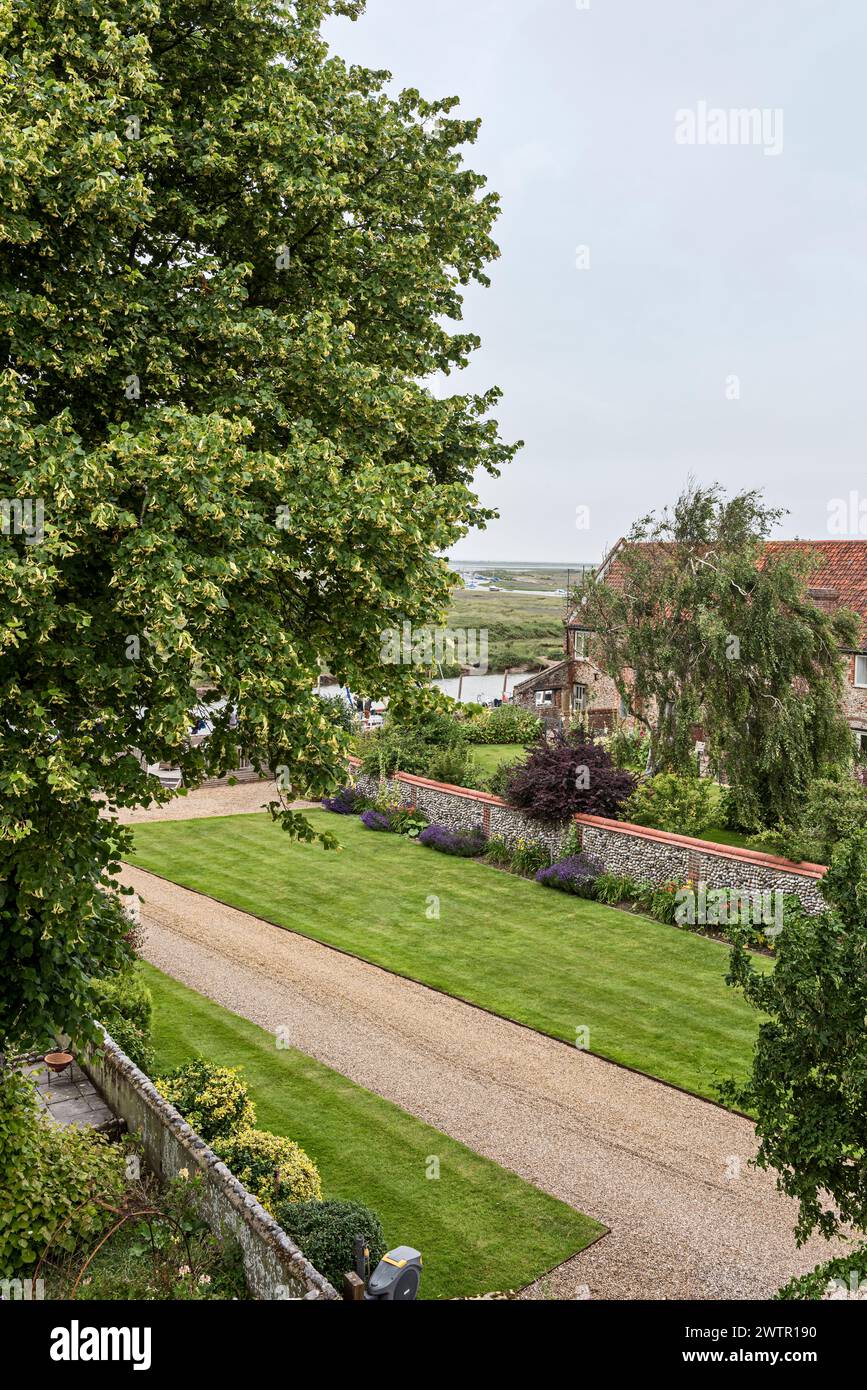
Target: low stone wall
274 1266
652 856
649 856
461 808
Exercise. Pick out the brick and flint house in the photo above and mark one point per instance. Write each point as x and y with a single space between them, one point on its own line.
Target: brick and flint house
576 688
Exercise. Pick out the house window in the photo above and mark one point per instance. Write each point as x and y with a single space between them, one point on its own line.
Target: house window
579 645
544 697
861 742
861 670
624 708
579 697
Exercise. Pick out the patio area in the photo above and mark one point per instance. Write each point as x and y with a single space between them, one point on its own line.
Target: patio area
70 1097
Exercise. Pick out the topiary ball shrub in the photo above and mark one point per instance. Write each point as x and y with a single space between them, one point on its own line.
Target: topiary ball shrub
214 1100
576 875
325 1232
375 820
271 1167
466 844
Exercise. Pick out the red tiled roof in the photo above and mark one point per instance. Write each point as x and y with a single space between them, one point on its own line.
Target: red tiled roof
838 579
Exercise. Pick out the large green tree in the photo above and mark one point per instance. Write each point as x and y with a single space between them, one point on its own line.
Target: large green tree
229 265
808 1088
698 625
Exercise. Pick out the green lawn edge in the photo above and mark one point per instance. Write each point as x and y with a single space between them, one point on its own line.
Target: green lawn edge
480 1227
653 996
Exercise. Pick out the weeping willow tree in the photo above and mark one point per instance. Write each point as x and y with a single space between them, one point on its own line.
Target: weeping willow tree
698 624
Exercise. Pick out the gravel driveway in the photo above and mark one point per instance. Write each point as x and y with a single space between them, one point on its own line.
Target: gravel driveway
669 1174
214 799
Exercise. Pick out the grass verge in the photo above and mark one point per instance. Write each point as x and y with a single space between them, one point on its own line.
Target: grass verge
653 997
479 1227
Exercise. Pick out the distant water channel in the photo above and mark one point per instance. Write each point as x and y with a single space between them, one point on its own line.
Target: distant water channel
481 689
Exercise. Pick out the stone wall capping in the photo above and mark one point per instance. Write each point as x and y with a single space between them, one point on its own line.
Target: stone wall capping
748 856
274 1265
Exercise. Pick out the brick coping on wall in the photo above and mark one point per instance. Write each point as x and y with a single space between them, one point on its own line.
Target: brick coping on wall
622 827
109 1063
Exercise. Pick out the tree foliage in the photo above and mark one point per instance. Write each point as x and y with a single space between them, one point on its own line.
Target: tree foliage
809 1076
228 264
565 775
702 627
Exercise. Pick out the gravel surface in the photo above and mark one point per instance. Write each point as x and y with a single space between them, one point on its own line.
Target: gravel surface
216 800
668 1173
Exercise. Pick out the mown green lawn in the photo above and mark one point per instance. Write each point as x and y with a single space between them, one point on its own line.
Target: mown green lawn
727 837
479 1227
489 756
652 996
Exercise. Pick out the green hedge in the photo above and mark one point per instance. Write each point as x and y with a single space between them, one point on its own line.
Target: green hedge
508 724
122 1004
325 1232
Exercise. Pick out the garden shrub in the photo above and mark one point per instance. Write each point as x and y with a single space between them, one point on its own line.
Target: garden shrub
405 820
451 764
845 1276
408 743
325 1232
498 851
375 820
628 750
615 888
576 875
349 801
387 751
507 724
214 1100
122 1004
52 1180
844 886
568 775
672 802
528 856
835 807
466 844
498 780
271 1167
659 901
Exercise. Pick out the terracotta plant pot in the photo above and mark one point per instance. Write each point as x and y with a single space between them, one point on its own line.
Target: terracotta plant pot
57 1061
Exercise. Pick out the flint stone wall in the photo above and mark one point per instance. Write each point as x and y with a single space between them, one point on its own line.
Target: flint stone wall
649 856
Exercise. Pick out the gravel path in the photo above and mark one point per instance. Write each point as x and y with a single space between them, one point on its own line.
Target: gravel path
666 1172
218 799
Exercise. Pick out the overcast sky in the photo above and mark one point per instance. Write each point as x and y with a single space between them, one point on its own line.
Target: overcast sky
719 328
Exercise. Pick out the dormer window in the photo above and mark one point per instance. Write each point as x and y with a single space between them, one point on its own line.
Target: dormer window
861 671
579 644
